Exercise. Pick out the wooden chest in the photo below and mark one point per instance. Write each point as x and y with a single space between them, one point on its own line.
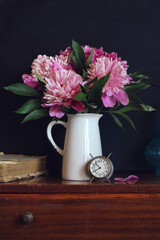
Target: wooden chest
80 210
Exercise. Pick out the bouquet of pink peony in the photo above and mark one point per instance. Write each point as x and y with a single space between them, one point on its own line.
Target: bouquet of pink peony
81 80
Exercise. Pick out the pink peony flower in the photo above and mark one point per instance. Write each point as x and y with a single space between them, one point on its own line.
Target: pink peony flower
66 53
30 81
97 53
45 66
114 56
113 89
61 89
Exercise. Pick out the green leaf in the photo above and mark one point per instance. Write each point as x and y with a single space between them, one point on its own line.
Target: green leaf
81 97
39 77
89 59
141 76
35 115
78 63
22 89
69 57
135 107
128 119
96 91
65 109
134 74
78 51
139 81
129 107
147 108
138 75
29 106
117 121
136 87
93 106
87 85
84 74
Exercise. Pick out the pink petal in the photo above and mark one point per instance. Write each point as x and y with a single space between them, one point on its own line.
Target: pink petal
57 67
130 179
77 105
56 111
30 81
108 101
122 97
49 104
120 179
130 79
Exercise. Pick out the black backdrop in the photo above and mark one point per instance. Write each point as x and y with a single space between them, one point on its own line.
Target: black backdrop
32 27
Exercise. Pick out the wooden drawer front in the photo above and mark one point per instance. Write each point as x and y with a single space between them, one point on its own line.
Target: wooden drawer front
83 216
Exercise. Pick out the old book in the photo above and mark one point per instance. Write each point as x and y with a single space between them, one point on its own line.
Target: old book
14 167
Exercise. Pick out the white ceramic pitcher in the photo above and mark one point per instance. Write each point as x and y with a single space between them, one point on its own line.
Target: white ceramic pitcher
82 139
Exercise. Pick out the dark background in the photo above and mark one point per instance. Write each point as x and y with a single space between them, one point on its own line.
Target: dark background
32 27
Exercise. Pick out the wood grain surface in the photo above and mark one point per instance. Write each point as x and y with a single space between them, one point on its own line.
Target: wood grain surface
80 210
148 183
81 216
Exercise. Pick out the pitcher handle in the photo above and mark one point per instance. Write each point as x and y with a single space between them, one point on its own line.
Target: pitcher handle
49 135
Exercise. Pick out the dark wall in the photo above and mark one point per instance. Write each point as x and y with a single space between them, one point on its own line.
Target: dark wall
32 27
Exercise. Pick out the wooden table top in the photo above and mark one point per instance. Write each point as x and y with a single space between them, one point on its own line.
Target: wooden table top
147 183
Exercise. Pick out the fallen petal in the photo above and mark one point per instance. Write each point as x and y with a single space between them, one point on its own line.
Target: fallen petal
130 179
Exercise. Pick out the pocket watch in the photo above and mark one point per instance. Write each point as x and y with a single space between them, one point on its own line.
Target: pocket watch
100 168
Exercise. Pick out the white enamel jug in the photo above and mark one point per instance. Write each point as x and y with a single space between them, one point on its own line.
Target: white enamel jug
82 139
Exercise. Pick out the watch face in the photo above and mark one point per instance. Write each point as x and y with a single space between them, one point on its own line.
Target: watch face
100 167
